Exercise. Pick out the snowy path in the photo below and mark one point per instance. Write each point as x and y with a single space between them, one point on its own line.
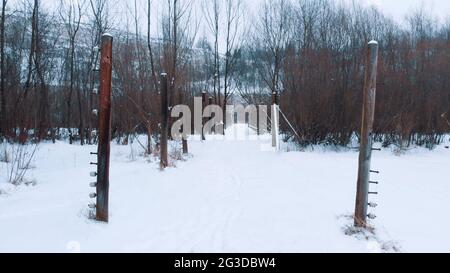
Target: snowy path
230 197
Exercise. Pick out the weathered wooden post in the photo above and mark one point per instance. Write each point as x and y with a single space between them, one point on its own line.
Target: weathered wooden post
275 121
204 104
211 102
164 121
365 156
184 141
104 129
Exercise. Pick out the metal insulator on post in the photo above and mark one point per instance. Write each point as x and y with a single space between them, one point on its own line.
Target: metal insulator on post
374 182
373 193
376 172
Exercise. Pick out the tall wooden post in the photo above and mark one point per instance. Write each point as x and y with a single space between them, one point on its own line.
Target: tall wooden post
204 104
104 131
211 102
164 121
185 146
365 156
275 121
275 98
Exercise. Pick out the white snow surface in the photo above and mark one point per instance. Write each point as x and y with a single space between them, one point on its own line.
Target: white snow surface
229 196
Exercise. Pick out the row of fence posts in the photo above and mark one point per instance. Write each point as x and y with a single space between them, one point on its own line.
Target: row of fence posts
104 133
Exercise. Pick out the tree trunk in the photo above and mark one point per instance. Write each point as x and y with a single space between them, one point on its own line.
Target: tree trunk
3 119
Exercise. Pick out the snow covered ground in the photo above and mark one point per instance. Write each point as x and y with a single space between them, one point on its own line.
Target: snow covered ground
230 196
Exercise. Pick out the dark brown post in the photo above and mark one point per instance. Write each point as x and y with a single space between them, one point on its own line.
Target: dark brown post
365 156
204 102
104 130
211 102
185 146
164 122
275 98
275 121
185 142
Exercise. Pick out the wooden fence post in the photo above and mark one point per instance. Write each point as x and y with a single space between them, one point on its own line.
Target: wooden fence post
184 142
365 156
204 104
165 121
104 138
211 102
275 121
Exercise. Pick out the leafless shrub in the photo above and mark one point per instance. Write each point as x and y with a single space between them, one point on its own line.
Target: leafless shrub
4 155
175 154
19 163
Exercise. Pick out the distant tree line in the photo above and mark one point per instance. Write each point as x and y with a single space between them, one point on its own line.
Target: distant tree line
311 53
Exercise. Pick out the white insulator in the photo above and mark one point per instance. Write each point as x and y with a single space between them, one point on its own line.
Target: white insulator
92 195
92 206
95 112
93 185
96 48
95 91
93 174
372 216
373 205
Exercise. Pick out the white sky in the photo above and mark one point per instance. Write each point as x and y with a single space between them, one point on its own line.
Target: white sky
122 10
395 8
399 8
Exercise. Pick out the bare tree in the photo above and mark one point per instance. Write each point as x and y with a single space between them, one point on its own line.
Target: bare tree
272 34
212 10
101 17
233 24
71 14
3 111
149 45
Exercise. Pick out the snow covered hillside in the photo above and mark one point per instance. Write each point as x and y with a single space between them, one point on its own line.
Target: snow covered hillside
230 196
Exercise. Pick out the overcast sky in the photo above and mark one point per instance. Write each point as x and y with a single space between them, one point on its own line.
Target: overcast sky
123 10
399 8
395 8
